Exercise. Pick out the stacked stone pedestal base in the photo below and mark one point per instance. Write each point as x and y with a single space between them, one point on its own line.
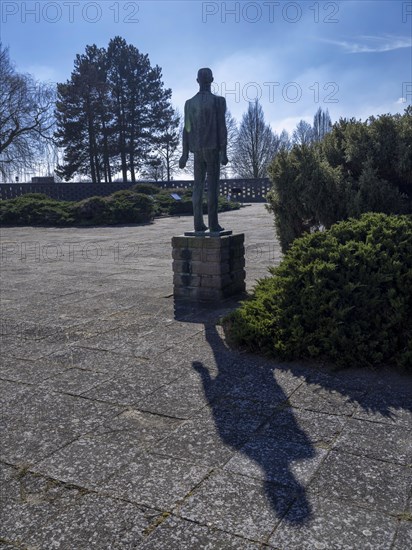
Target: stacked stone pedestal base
208 268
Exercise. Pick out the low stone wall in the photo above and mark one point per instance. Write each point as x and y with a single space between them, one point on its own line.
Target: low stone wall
244 190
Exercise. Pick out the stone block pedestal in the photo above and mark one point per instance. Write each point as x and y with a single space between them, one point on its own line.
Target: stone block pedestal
208 268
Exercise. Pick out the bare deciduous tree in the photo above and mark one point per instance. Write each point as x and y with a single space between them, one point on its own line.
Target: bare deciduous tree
322 124
303 133
256 144
26 118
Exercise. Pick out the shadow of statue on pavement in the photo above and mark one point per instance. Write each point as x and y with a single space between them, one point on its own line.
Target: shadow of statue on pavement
243 398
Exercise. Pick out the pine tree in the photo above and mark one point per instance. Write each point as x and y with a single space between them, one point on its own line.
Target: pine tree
141 104
82 118
111 112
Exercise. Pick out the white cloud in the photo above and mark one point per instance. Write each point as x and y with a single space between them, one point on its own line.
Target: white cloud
372 44
289 123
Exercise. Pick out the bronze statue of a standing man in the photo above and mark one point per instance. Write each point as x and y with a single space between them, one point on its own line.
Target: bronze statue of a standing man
205 135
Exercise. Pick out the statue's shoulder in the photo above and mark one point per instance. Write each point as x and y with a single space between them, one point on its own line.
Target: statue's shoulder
221 101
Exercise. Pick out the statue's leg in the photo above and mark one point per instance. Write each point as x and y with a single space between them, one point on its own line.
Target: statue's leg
213 174
197 197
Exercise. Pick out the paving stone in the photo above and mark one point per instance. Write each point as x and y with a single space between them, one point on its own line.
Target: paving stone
178 534
27 349
12 394
67 335
46 520
76 381
155 481
25 445
258 385
314 397
96 522
131 386
287 379
180 399
91 359
146 427
7 473
238 505
387 406
197 444
27 371
140 341
50 409
351 381
306 427
333 525
31 503
285 462
403 540
206 400
361 437
199 351
26 330
91 459
40 423
230 382
363 481
213 434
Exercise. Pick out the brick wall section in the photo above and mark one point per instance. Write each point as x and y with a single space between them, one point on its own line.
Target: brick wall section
208 268
253 190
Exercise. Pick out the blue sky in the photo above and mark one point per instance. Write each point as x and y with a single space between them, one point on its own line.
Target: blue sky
352 57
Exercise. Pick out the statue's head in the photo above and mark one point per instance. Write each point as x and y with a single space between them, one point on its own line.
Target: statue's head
204 76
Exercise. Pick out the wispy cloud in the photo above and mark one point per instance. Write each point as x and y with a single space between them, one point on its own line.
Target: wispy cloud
373 44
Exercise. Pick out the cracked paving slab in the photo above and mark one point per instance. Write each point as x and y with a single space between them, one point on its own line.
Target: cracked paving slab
44 514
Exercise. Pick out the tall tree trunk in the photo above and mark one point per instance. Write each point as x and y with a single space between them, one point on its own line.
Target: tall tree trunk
91 144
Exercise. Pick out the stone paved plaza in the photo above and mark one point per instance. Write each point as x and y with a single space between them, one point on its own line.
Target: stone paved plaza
128 423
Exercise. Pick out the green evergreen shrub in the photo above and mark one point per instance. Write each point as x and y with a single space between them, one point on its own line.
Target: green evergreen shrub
146 188
358 167
126 206
35 209
344 295
93 211
226 206
166 204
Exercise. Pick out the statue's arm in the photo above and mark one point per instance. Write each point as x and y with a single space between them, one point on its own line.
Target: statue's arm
222 130
185 140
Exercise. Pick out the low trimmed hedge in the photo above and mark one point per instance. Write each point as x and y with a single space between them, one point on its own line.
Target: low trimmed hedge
125 206
38 209
342 295
166 204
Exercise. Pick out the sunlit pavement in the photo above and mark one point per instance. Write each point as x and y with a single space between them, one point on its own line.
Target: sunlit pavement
127 422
